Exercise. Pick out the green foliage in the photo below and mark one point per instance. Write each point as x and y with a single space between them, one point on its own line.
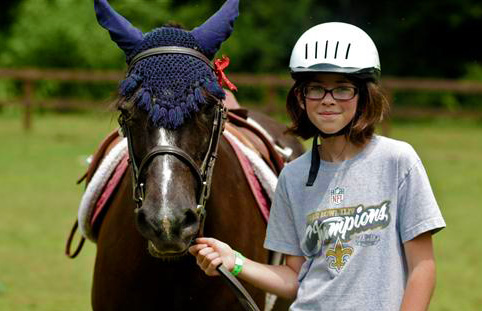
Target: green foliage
58 34
265 33
65 34
8 11
473 71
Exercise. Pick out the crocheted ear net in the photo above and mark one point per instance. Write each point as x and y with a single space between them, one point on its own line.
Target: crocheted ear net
169 86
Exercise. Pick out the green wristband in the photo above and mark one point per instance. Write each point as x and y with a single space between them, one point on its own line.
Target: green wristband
238 263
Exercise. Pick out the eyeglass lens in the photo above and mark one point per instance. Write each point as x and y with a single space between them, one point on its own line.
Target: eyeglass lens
338 93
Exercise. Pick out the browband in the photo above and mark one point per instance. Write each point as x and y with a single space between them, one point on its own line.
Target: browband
168 50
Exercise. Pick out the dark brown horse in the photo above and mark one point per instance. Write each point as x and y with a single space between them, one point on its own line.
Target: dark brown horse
142 261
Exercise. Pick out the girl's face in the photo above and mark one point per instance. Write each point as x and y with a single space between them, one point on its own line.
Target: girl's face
328 114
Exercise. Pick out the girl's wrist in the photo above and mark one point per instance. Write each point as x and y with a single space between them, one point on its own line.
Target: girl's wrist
239 260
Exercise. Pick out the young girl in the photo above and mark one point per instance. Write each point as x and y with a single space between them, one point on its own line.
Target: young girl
355 215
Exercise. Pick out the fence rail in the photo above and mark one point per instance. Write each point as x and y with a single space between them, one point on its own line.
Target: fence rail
28 77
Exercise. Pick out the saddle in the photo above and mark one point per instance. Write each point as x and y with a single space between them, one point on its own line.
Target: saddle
250 135
105 146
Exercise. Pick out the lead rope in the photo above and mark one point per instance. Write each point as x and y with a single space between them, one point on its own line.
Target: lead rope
241 293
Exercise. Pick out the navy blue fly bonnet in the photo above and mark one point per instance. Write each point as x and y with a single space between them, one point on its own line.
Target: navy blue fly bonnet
168 68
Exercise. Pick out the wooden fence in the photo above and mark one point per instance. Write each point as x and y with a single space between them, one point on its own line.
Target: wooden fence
28 78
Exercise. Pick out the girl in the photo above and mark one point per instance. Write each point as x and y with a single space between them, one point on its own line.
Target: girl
355 215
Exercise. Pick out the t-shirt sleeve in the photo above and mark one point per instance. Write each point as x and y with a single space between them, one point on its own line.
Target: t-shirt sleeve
281 235
418 208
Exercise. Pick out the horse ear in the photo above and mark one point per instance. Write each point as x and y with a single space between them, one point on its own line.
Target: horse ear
120 29
217 28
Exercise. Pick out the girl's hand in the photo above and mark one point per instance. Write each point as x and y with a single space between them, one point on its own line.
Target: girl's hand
210 253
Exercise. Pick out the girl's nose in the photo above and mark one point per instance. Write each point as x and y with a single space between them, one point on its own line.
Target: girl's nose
328 99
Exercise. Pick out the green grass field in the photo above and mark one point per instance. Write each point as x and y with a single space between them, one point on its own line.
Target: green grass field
38 171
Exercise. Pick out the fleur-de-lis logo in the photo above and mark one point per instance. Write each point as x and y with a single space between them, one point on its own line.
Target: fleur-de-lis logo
338 255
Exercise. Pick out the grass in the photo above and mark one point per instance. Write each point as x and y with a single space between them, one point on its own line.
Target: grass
38 171
452 153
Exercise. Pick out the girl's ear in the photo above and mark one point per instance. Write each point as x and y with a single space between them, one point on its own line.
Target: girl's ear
299 98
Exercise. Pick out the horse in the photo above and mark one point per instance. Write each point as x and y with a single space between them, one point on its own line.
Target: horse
137 267
185 181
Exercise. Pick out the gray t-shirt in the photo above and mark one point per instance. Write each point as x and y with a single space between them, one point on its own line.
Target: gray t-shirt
351 225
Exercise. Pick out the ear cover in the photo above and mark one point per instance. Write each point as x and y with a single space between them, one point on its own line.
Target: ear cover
217 28
169 87
120 29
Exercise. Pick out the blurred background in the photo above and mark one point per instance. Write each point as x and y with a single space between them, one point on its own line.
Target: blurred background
59 73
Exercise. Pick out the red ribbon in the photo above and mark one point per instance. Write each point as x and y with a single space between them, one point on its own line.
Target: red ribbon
219 66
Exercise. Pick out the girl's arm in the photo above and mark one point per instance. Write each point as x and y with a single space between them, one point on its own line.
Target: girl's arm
280 280
421 273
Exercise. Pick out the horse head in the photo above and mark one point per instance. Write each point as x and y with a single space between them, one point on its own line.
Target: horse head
172 115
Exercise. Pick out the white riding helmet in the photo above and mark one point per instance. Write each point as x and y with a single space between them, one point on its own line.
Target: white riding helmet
335 47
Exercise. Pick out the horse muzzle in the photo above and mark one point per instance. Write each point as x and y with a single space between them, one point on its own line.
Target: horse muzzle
170 235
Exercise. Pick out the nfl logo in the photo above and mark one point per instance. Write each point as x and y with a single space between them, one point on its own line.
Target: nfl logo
337 195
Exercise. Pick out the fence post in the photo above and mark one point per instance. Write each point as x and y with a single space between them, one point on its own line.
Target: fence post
386 123
27 101
270 92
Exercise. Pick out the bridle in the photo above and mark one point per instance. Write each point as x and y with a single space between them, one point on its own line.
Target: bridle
202 174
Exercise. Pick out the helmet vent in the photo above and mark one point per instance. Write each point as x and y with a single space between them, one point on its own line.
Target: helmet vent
316 50
306 51
336 49
326 48
347 50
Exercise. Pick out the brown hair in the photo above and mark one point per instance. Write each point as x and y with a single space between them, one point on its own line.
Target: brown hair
371 108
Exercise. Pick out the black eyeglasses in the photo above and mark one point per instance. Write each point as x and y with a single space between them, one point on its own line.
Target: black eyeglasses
339 93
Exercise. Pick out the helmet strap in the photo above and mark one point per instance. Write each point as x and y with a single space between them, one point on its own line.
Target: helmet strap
315 162
315 154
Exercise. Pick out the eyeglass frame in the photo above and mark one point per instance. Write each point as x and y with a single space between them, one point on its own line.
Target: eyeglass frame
355 93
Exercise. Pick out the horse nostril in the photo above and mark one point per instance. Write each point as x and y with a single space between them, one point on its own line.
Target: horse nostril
144 223
190 218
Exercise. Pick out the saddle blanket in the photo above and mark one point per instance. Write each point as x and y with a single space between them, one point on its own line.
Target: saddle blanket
108 175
